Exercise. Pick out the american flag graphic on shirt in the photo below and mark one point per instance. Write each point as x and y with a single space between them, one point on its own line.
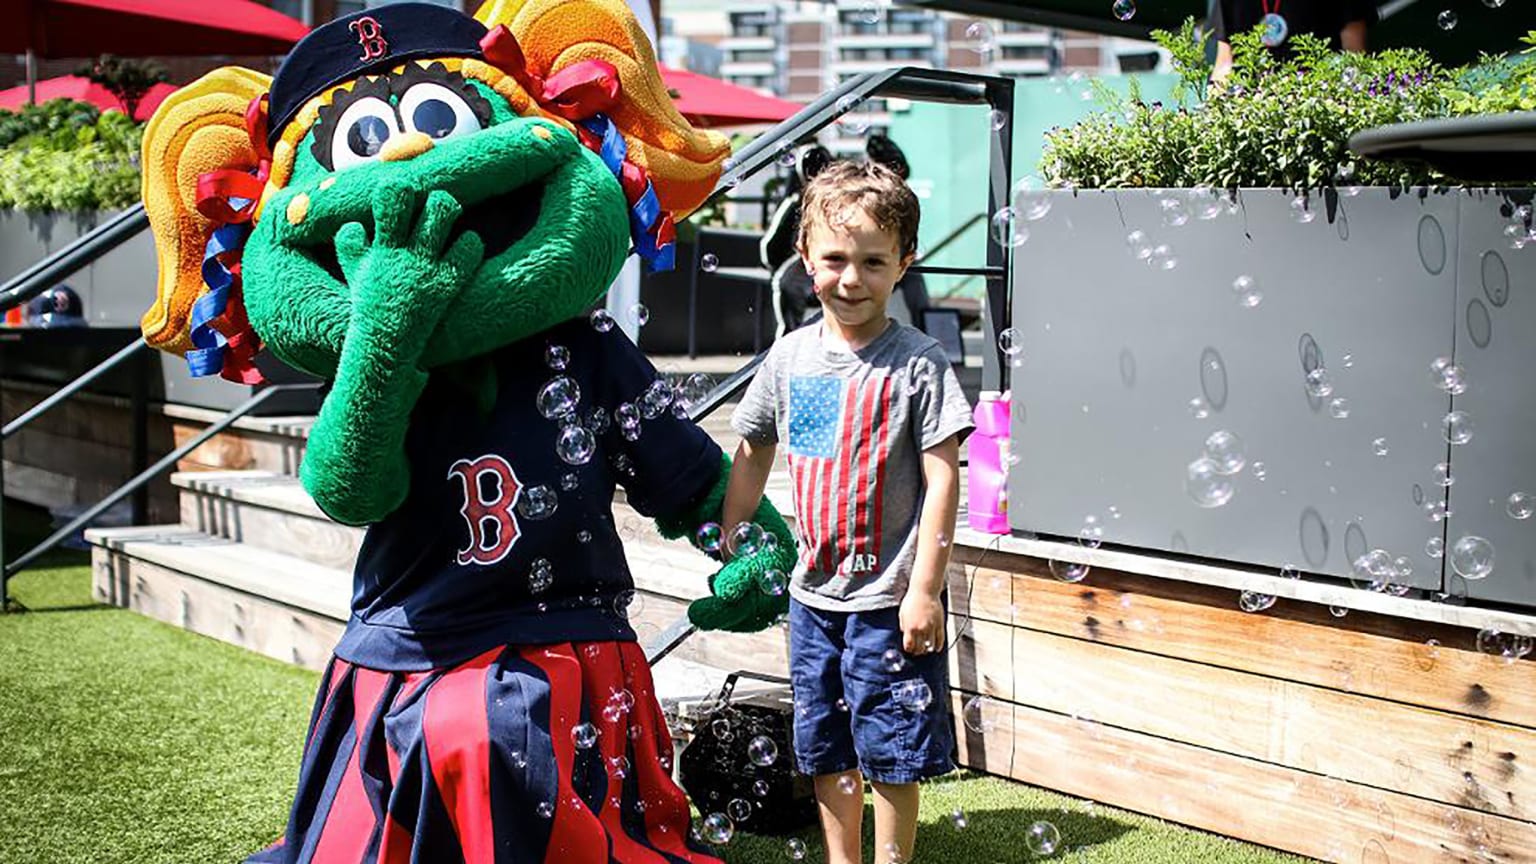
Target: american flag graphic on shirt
839 436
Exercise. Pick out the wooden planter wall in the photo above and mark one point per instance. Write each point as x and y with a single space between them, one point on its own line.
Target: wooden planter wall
1347 739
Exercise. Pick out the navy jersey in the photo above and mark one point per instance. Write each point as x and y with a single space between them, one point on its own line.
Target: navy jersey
475 557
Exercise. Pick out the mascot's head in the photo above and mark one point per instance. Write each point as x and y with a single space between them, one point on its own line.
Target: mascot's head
545 119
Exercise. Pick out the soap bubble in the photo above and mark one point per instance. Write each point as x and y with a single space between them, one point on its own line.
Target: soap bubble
1319 384
795 849
851 119
1448 376
1447 20
1509 646
1458 427
979 37
1125 10
1259 471
709 262
975 714
1247 290
1206 484
627 414
695 389
1139 245
1253 601
997 119
597 420
1173 212
1042 838
1521 505
762 751
1434 547
1472 557
913 695
872 11
1379 447
640 314
718 829
958 818
1301 210
760 788
583 536
1443 475
1226 450
558 397
575 445
709 537
557 357
1206 202
847 785
545 810
1199 408
745 539
773 583
1163 257
1031 200
655 399
1338 409
537 502
540 576
1008 229
584 736
602 322
1092 533
739 809
1010 342
1069 571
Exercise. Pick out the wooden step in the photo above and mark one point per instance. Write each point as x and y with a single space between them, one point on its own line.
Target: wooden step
281 606
268 510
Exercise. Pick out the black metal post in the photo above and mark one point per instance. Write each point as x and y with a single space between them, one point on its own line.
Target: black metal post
141 369
693 297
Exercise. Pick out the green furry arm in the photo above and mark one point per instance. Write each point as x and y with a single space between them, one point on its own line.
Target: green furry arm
743 599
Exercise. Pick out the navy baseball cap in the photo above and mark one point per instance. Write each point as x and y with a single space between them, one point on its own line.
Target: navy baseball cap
363 42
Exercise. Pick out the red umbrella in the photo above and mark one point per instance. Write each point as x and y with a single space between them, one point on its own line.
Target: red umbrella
84 90
707 101
142 28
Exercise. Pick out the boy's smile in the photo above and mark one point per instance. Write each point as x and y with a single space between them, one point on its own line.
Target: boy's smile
854 268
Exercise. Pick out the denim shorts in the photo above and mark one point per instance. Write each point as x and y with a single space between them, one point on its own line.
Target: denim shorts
853 709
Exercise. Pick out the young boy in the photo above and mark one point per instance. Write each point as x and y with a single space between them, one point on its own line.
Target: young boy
873 415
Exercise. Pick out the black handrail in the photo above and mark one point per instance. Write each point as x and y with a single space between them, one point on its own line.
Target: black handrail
145 476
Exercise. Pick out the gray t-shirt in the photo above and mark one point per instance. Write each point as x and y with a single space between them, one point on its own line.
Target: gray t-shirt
856 425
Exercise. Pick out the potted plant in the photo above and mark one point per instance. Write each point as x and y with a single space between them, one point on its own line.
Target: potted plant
1252 346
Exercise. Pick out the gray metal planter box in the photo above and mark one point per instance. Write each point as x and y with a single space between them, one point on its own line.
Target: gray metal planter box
116 289
1374 289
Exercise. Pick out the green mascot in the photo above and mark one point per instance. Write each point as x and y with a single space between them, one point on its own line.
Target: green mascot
421 208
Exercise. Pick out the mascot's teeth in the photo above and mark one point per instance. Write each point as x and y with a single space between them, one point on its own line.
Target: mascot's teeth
298 208
542 133
327 182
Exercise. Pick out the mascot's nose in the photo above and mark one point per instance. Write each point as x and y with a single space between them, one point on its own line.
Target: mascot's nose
402 147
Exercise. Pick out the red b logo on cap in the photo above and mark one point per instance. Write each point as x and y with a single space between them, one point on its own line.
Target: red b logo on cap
371 36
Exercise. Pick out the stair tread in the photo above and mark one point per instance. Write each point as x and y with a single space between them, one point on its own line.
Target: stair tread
261 572
270 489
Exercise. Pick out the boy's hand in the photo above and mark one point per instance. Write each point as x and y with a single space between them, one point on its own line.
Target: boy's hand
922 623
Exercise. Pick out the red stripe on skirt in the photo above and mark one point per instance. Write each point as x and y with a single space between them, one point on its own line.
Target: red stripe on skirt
666 807
396 843
350 821
602 676
572 839
456 733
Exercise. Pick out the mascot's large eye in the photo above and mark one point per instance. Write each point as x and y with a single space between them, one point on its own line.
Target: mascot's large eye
437 111
361 132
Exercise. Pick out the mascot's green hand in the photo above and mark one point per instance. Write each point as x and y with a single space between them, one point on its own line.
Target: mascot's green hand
750 592
400 285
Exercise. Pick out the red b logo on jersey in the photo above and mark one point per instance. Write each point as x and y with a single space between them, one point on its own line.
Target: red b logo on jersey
492 524
371 36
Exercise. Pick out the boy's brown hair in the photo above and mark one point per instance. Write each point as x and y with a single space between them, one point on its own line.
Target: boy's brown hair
867 186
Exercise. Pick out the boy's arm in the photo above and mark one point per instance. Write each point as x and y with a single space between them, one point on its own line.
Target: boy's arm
922 612
749 476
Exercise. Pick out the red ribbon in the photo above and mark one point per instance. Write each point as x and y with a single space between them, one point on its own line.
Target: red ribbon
215 188
576 92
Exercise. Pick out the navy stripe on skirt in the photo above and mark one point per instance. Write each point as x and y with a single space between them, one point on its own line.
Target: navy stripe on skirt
484 763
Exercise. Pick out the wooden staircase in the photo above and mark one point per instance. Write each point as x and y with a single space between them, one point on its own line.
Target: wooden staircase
254 562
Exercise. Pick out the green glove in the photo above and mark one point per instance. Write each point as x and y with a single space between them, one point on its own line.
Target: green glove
745 597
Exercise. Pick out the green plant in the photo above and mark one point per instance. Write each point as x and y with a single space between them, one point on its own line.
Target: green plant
1273 122
127 79
65 155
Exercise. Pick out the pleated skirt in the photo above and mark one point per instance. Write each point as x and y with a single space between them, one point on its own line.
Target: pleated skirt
548 754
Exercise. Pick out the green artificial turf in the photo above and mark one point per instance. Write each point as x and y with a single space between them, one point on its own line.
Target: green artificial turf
126 740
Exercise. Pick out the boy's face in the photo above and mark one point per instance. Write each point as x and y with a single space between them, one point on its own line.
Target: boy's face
854 267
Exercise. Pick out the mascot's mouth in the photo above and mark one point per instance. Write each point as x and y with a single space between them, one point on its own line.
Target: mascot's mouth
500 220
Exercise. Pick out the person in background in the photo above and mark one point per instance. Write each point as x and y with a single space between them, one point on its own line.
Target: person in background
1344 23
871 414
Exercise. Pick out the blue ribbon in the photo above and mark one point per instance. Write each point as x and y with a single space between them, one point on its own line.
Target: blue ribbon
207 357
643 214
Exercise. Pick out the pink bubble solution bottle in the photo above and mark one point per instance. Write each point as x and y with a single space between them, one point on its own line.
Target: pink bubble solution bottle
987 471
